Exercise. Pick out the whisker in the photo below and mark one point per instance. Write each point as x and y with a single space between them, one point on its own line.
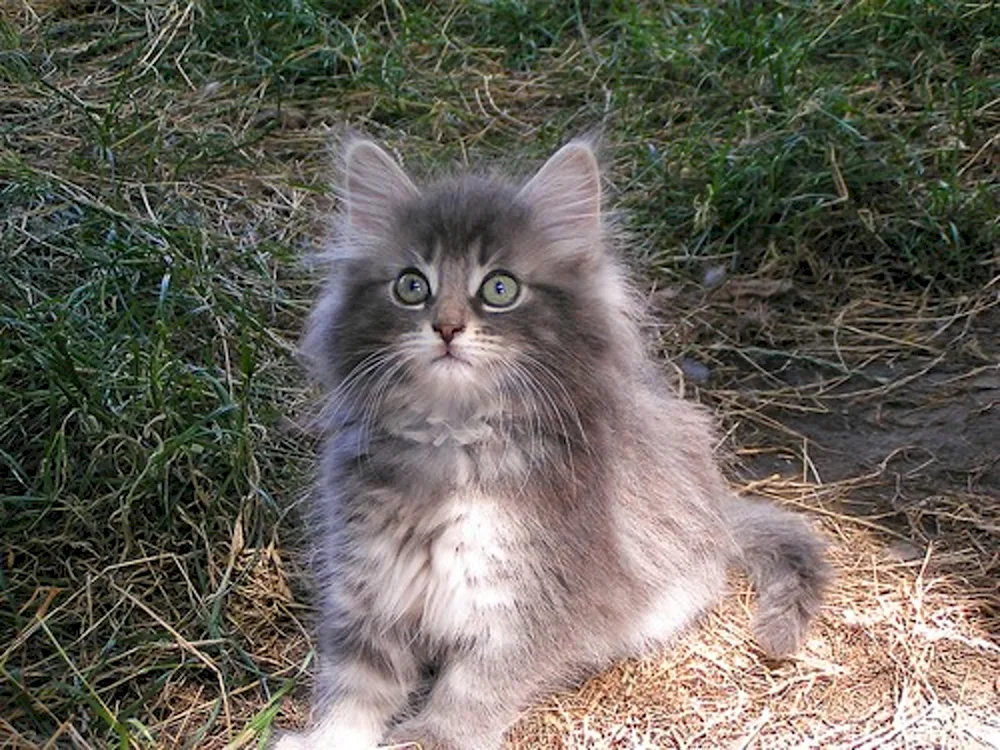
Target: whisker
343 394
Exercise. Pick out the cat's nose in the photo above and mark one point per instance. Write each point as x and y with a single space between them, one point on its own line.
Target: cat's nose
448 331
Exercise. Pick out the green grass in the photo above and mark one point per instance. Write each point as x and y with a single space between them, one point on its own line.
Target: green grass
163 168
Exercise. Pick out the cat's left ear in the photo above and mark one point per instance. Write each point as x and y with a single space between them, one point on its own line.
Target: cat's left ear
566 196
374 184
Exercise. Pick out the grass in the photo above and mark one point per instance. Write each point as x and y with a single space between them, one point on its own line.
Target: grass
164 169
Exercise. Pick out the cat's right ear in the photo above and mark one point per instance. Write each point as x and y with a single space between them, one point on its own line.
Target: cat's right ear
566 196
373 185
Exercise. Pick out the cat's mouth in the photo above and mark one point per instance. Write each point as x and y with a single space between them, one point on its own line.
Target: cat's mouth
450 359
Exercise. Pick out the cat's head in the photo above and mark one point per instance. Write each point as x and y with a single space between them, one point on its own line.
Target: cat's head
471 293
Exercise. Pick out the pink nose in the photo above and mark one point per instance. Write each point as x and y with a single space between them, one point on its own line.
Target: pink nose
448 331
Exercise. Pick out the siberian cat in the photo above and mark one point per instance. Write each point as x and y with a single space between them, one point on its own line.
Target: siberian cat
511 497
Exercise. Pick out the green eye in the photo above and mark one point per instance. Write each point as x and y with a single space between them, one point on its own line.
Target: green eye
411 288
500 289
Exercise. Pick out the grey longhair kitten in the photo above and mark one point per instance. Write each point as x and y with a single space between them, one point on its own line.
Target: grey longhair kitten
511 497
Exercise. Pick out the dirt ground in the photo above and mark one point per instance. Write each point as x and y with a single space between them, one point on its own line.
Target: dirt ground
937 430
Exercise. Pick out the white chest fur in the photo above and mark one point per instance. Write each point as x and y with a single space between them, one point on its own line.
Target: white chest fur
449 571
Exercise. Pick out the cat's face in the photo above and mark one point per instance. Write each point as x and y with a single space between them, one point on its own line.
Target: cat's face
472 293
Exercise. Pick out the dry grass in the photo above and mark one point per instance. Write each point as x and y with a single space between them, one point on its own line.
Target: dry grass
819 227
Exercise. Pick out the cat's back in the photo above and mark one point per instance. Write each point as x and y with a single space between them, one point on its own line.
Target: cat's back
668 488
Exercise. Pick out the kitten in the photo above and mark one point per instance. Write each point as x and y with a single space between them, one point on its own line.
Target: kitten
511 497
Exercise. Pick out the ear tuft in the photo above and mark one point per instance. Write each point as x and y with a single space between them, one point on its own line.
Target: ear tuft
373 185
566 195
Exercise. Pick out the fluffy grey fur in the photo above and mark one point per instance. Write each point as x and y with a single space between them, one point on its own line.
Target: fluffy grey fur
511 497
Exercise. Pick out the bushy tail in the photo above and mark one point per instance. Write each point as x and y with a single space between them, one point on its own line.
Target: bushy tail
785 561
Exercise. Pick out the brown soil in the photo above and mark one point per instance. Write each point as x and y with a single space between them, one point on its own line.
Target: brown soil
936 429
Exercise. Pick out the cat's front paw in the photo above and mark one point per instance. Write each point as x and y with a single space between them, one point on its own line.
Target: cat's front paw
412 734
324 738
291 741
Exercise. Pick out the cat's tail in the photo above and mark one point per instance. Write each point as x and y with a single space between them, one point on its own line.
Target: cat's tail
786 563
